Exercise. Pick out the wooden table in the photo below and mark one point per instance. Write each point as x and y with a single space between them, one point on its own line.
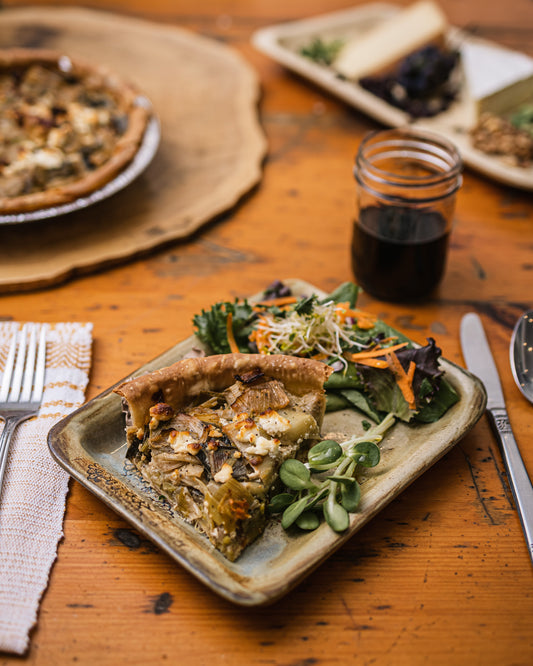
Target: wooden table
442 575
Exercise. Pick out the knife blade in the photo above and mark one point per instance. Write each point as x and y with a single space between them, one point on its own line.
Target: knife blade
480 362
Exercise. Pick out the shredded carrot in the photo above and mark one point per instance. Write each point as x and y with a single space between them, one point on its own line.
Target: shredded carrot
261 337
282 300
411 371
373 353
389 339
319 357
366 324
344 310
364 319
229 331
402 378
374 363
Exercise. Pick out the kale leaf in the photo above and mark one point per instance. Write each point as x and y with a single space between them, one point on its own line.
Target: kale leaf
211 326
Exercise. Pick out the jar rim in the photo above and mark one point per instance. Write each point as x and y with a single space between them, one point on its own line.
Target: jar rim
422 146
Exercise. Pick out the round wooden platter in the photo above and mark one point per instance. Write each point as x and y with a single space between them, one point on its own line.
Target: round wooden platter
211 151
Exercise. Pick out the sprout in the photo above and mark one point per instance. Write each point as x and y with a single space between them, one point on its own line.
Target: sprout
339 493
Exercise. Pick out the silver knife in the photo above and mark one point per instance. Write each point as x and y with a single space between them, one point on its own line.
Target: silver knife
479 360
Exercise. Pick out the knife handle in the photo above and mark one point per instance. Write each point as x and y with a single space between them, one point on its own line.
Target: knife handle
519 480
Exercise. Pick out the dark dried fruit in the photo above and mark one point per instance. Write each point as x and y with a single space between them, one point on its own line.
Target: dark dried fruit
422 85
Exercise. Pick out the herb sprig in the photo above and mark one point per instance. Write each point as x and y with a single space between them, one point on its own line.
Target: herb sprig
321 51
327 484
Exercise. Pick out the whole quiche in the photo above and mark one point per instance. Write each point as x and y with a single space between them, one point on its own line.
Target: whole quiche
67 128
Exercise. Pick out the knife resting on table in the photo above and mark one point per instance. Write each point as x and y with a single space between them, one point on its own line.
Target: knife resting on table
479 360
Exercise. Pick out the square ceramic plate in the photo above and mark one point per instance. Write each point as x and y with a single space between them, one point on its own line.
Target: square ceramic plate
283 43
90 445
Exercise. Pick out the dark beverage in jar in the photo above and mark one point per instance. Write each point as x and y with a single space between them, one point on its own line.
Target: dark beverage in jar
399 253
406 186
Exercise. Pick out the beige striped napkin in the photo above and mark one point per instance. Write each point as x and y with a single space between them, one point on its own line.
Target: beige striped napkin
32 501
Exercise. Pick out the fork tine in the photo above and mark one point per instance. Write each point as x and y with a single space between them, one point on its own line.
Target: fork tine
8 369
19 366
38 383
30 366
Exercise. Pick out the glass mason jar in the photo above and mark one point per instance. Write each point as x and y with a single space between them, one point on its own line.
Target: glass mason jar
405 201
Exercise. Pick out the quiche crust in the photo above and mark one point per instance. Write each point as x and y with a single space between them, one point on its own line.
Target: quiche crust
67 127
210 434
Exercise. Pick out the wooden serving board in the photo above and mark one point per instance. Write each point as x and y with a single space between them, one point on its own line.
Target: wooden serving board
210 155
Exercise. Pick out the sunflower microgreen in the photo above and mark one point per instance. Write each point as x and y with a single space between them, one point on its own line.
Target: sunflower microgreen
335 492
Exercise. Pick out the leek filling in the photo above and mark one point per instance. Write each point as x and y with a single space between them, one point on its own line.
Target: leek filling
217 461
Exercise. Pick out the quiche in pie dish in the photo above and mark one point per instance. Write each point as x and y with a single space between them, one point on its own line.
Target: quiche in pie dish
67 128
210 433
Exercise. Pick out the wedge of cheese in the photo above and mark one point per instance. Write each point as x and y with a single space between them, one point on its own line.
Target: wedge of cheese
498 79
381 47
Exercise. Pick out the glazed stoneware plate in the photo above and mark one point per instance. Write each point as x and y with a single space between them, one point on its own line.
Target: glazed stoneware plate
90 445
283 42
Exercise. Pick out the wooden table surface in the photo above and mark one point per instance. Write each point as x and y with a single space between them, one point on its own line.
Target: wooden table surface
442 575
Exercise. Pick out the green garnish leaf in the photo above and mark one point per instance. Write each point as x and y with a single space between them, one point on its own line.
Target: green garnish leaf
523 118
359 400
295 475
292 512
347 292
341 485
308 520
335 401
441 401
280 502
211 326
336 516
305 306
322 52
324 453
350 496
366 454
344 379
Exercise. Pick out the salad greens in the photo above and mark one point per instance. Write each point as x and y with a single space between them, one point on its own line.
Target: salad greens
334 495
377 370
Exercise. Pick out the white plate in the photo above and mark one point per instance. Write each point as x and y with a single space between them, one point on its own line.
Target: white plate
143 157
283 42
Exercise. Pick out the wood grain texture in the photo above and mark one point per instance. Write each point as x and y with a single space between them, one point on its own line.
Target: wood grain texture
442 575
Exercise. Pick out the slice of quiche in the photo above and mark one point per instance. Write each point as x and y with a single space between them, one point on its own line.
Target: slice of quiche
210 434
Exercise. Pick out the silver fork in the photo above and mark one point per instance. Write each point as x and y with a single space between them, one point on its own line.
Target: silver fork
22 386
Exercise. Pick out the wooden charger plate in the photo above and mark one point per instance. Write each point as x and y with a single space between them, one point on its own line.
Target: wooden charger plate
283 42
211 150
91 445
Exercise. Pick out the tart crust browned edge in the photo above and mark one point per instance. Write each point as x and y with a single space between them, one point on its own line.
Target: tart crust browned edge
181 382
124 150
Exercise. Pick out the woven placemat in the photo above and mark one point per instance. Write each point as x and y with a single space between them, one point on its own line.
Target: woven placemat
210 155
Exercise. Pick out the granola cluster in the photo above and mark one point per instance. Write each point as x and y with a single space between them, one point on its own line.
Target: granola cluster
498 136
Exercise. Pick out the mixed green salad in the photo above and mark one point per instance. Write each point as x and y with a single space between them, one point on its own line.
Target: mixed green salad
376 370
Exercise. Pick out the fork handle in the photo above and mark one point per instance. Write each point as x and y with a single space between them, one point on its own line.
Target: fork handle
11 422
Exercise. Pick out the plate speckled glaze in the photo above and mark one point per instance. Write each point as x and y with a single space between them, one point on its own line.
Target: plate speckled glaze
90 445
282 42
